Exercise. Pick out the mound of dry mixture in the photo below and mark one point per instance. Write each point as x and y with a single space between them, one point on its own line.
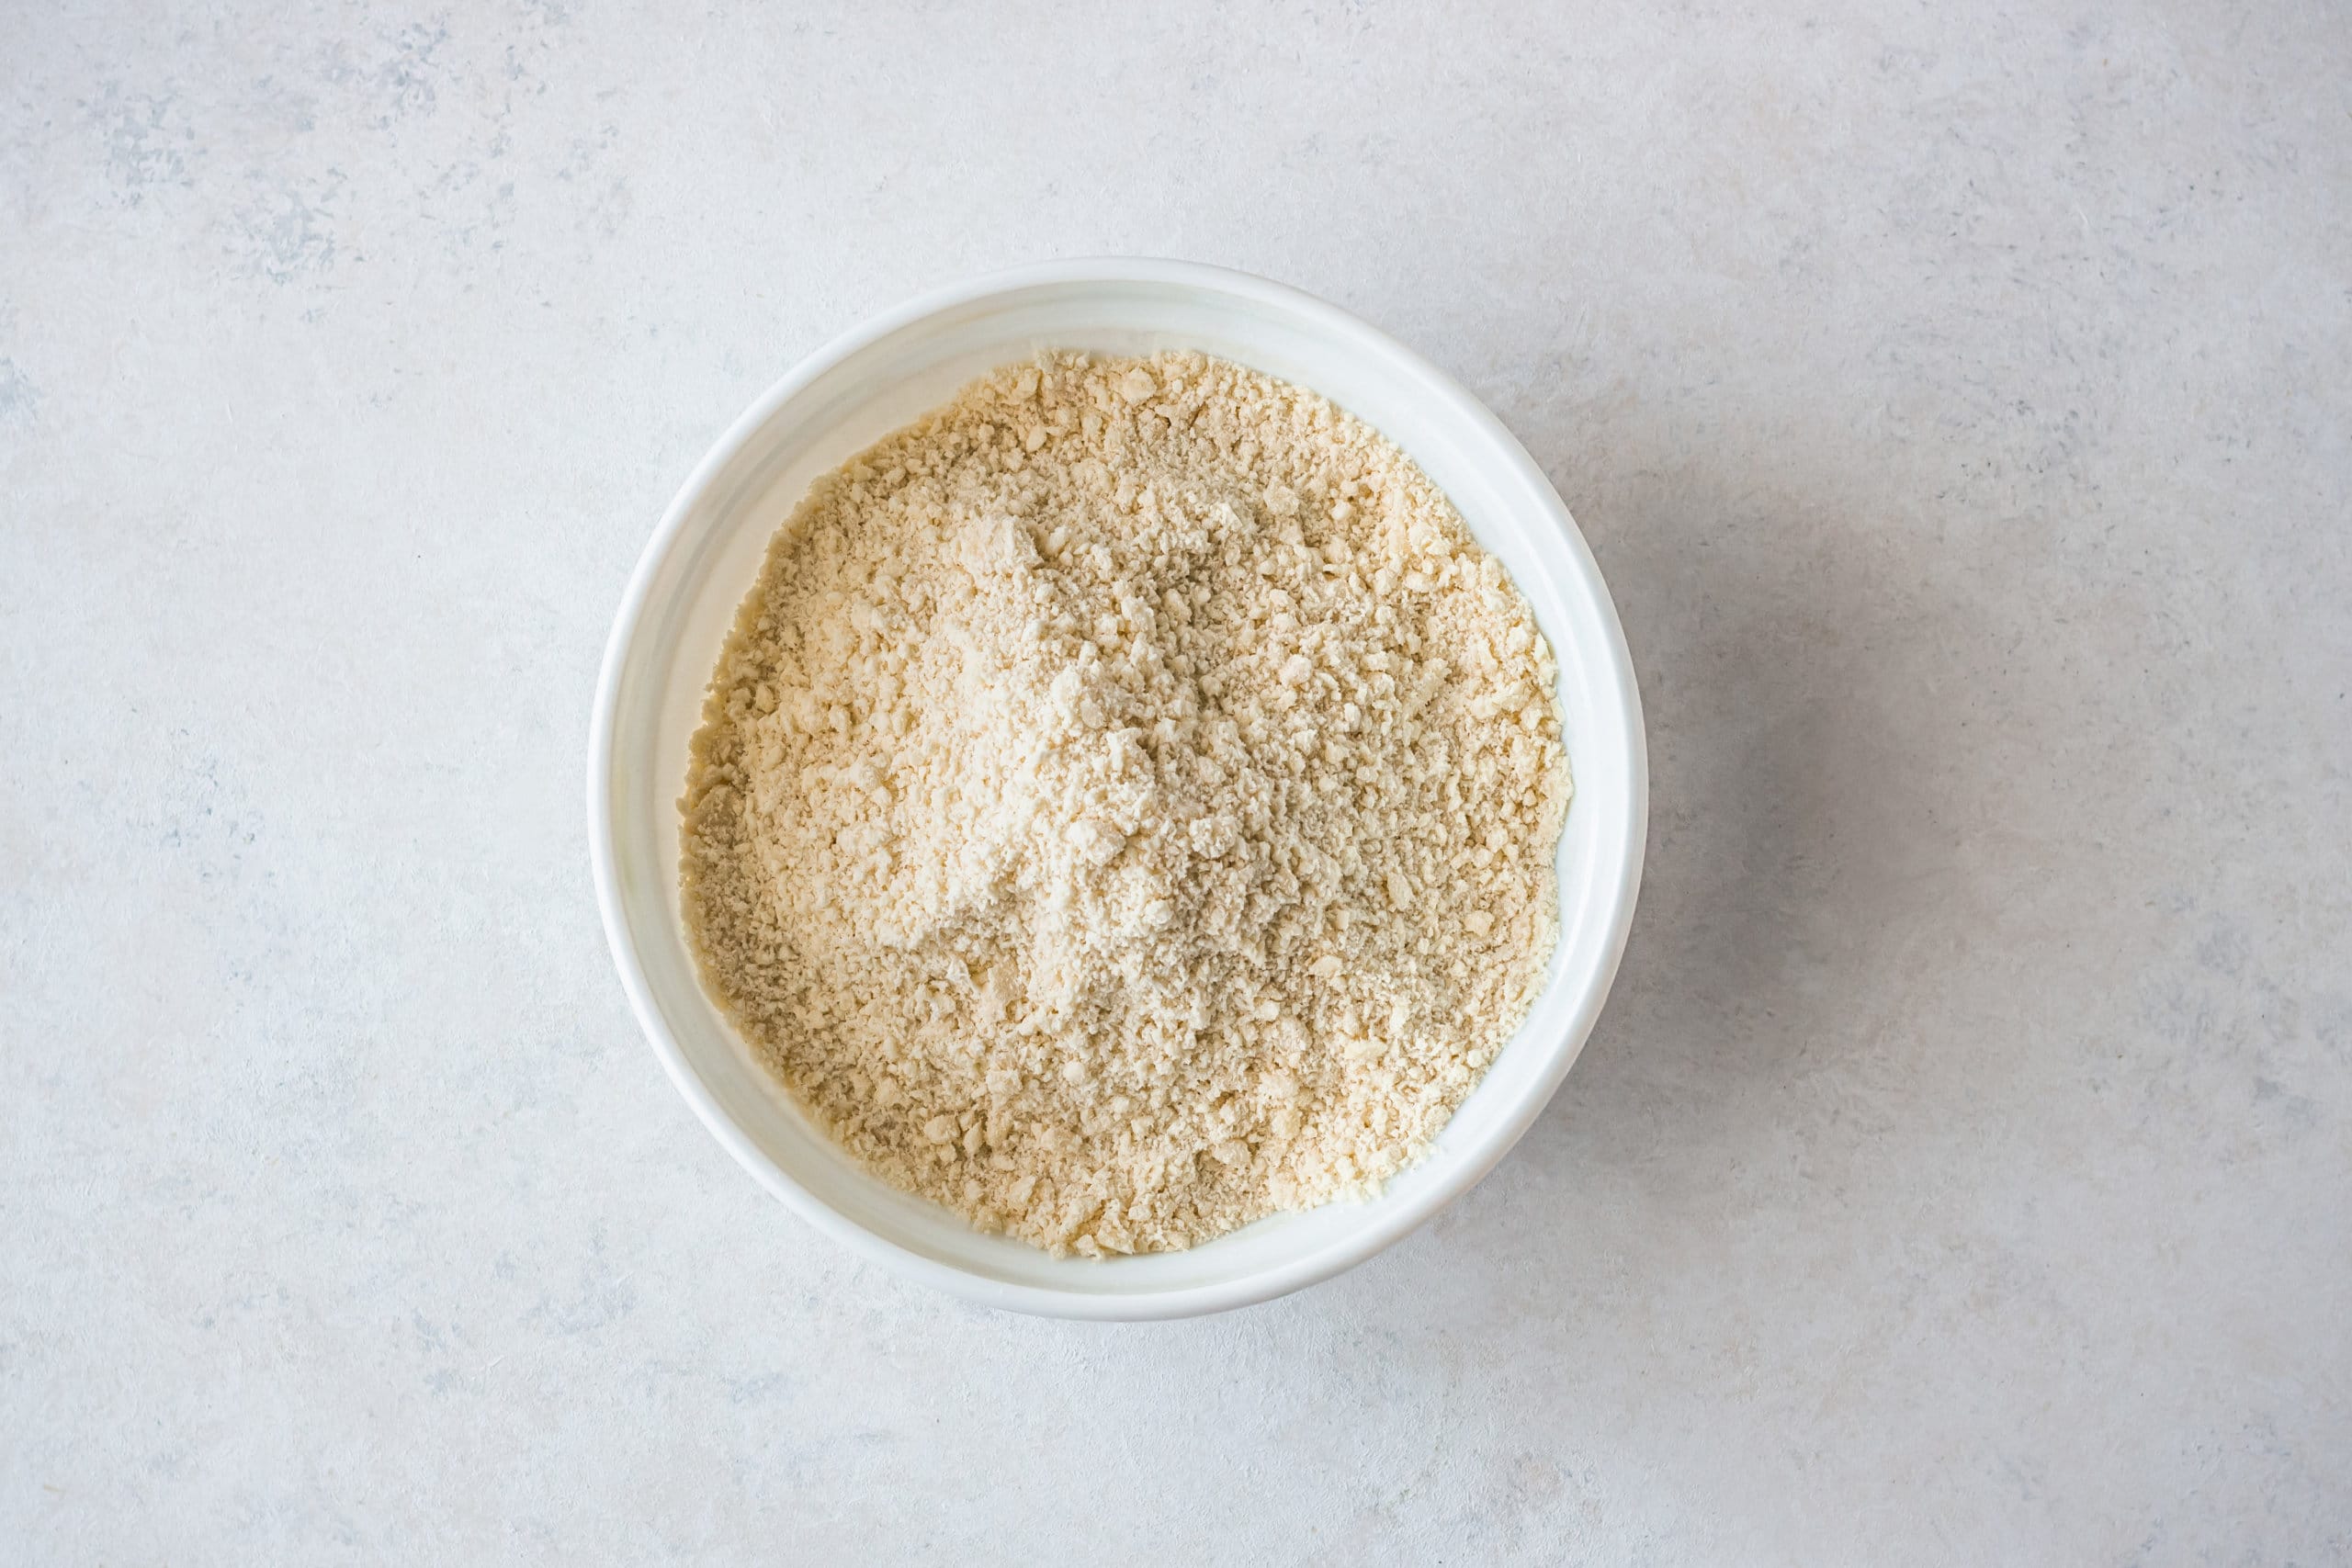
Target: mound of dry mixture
1125 804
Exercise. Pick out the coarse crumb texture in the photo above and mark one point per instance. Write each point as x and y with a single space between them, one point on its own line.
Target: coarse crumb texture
1125 804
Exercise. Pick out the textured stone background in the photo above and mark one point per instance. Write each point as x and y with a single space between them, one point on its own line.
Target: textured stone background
1957 397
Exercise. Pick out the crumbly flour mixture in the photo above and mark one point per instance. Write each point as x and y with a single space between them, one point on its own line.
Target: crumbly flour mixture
1125 804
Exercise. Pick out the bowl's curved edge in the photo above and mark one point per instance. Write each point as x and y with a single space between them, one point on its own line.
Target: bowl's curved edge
1314 1267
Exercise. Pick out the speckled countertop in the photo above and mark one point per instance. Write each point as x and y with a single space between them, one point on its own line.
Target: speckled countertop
1957 397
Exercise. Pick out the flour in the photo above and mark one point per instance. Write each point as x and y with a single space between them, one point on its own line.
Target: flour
1125 804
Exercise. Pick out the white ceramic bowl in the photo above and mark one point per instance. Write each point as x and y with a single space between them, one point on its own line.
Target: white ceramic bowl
704 557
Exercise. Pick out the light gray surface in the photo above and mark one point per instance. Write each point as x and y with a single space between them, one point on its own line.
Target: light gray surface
1956 399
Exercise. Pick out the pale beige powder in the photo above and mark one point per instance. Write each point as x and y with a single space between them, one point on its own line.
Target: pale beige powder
1125 804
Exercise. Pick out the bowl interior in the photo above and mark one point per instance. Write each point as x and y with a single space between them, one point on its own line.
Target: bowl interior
699 570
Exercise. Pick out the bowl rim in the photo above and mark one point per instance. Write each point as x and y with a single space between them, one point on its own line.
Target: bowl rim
1400 1218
